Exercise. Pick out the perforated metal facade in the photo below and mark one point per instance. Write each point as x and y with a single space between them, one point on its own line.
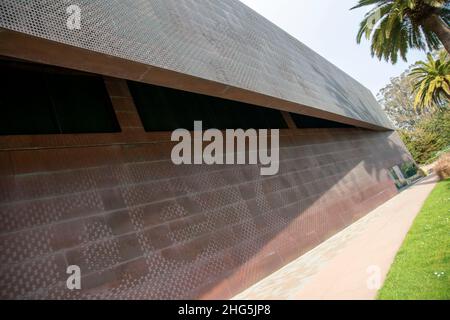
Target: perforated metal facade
139 226
219 40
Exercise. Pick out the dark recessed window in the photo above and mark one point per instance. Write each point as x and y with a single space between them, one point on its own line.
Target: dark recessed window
302 121
165 109
37 99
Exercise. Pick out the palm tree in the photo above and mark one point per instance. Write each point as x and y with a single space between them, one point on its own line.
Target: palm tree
432 86
394 26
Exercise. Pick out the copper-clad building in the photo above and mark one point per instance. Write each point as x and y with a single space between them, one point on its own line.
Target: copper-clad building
86 177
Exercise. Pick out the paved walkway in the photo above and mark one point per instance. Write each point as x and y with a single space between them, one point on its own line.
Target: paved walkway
353 263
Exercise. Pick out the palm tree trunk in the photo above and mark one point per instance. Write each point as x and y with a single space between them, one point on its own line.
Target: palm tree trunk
435 24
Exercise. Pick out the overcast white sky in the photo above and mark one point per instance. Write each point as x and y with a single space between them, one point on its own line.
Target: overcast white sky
329 28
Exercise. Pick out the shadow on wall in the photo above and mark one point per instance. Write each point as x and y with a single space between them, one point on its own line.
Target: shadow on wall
140 227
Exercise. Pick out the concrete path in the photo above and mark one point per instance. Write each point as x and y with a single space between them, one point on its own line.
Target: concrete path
353 263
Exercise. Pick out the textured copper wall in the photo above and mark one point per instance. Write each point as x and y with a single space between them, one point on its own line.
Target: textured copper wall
142 228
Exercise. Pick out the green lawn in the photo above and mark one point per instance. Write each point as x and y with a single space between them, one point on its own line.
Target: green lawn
421 269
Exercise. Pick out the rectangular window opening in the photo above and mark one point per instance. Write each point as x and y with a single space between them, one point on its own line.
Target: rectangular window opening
165 109
40 99
304 121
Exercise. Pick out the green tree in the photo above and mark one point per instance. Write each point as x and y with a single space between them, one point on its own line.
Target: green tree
394 26
432 77
430 135
397 100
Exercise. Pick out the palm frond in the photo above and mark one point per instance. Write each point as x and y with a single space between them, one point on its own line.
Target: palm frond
363 3
432 87
395 26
